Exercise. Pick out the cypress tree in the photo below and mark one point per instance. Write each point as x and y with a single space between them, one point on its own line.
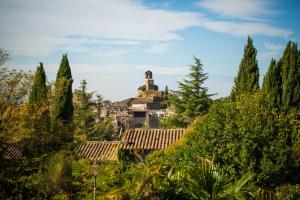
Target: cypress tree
39 119
192 99
39 89
290 63
166 93
62 105
272 83
247 80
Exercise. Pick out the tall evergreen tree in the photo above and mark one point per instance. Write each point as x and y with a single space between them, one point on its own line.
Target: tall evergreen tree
290 63
192 99
166 93
247 79
272 83
83 113
39 89
39 119
62 110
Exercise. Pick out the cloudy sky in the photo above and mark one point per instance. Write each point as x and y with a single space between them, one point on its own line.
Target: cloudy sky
111 43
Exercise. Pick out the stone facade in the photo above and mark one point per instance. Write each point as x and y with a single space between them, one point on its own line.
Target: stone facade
141 111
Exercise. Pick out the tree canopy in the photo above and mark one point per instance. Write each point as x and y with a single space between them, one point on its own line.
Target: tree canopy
272 83
63 105
192 98
39 90
290 66
247 79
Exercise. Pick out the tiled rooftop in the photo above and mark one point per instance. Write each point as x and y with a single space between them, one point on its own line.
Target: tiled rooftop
147 139
98 150
150 139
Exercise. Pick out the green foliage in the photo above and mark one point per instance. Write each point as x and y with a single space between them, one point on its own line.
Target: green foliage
282 81
166 93
288 192
165 102
206 182
16 180
171 122
290 66
249 135
39 120
158 179
62 111
15 86
56 175
272 84
39 89
247 79
89 125
83 113
191 100
102 130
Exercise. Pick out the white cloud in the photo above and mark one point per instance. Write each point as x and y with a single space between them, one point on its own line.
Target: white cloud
124 21
112 42
245 28
159 48
273 51
273 47
248 13
115 28
245 9
267 55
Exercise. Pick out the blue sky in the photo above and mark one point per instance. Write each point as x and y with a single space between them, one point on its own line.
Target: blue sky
111 43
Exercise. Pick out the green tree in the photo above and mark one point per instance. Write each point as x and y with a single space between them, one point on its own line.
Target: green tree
103 128
290 63
83 113
166 93
63 105
247 79
39 90
14 90
272 84
192 99
249 135
39 119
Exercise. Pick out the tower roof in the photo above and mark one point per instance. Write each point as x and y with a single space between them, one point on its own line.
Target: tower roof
148 74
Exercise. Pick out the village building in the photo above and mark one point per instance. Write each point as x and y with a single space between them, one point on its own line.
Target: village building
142 111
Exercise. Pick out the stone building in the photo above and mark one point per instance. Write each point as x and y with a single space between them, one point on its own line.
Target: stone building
140 111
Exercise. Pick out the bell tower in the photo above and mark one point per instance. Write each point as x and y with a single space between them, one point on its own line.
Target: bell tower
149 82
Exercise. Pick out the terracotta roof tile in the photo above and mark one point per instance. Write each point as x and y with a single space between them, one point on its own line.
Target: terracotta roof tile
98 150
150 138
